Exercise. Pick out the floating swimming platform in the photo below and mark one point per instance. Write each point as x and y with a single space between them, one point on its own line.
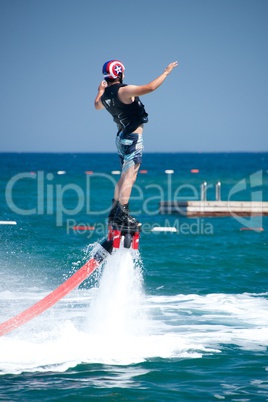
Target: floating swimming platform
214 208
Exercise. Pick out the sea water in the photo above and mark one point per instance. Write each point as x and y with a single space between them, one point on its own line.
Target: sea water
183 319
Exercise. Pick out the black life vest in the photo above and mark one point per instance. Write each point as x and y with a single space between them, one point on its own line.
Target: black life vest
128 117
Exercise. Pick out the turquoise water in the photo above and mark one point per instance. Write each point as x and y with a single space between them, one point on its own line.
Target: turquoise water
184 319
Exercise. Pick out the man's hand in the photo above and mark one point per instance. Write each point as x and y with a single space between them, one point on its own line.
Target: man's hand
102 86
171 66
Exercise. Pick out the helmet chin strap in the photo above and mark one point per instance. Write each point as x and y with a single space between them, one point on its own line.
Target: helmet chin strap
120 78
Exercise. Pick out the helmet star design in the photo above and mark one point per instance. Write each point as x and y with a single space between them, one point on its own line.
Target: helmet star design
118 69
113 69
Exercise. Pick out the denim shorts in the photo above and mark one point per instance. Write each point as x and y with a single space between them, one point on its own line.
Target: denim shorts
129 148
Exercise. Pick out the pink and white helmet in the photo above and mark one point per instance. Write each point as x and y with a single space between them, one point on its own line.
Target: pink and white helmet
113 69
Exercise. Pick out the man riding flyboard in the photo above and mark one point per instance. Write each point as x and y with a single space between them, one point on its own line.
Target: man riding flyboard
123 103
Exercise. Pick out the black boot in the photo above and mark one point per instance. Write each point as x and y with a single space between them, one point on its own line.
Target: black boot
123 218
113 211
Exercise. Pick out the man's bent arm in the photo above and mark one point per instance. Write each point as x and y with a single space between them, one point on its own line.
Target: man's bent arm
98 103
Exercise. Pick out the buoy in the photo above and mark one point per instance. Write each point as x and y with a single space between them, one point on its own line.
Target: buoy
83 227
143 171
252 229
163 229
115 172
8 223
61 172
194 170
89 172
169 171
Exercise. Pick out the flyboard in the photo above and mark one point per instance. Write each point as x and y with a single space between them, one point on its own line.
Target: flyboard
116 236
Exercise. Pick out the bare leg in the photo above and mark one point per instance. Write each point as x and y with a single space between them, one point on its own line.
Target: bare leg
124 186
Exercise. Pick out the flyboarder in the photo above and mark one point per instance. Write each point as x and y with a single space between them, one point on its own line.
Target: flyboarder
123 103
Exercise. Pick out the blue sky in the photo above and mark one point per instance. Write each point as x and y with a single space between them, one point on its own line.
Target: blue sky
52 52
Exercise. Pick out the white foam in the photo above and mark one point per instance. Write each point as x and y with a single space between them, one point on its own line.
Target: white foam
117 323
117 306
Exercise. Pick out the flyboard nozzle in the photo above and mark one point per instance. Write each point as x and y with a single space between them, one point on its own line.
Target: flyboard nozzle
106 247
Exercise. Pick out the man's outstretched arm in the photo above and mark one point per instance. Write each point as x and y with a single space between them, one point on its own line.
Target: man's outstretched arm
125 93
